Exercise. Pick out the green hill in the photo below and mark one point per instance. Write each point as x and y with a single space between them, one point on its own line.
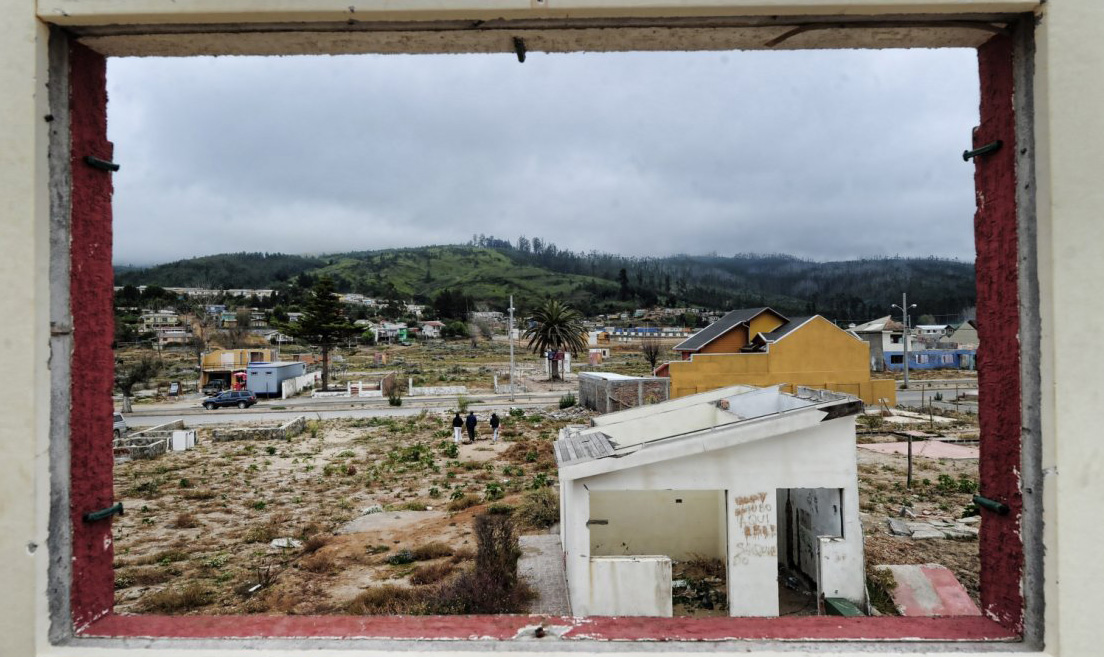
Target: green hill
487 271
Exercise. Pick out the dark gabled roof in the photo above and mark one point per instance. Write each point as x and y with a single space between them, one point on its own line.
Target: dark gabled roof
720 327
785 329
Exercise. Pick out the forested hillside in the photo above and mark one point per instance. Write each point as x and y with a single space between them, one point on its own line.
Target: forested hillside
487 270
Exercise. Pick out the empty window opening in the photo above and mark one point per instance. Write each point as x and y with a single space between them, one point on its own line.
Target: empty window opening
658 553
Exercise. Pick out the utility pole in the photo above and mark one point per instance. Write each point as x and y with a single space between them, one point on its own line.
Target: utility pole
513 389
904 308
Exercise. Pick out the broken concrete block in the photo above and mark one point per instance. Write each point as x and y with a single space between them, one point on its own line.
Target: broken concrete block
375 508
907 512
927 533
898 527
970 520
286 543
960 532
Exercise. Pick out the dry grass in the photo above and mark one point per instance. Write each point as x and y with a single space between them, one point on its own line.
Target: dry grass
170 601
431 573
390 600
240 499
429 551
316 543
461 503
318 563
185 520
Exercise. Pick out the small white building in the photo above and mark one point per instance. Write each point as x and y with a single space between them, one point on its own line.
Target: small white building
752 476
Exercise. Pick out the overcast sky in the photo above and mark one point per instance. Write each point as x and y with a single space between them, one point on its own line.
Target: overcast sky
824 155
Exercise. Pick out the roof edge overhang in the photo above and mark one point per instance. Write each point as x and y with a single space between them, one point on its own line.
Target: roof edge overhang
723 436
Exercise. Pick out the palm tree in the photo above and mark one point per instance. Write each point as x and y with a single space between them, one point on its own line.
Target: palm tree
556 326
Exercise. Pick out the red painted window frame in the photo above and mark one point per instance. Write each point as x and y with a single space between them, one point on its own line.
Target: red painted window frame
91 462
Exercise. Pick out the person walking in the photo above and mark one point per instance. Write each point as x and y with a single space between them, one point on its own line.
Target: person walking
494 427
457 423
471 426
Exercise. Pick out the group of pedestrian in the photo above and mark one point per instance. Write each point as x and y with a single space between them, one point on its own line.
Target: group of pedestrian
458 424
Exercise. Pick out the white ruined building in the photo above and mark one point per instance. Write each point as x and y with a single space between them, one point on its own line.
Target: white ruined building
752 476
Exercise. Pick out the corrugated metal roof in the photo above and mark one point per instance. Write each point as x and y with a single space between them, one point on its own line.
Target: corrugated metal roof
576 447
720 327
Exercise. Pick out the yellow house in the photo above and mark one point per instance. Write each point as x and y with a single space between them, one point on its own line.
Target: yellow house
221 363
761 347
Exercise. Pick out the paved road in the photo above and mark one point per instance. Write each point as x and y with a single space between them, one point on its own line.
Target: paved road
916 398
322 409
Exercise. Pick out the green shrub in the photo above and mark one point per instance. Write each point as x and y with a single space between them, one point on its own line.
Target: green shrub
568 400
539 508
493 491
401 557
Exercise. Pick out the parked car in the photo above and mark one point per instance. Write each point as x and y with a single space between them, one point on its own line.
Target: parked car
239 398
121 428
212 388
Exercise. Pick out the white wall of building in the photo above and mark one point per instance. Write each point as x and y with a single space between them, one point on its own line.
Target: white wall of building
630 586
678 523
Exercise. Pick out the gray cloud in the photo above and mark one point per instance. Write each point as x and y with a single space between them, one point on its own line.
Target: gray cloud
823 155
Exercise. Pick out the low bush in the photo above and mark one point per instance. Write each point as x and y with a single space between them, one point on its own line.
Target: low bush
463 502
185 520
539 508
389 600
429 551
568 400
318 563
261 533
400 558
316 543
431 573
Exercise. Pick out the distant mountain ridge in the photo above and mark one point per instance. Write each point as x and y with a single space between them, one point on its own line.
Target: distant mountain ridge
489 270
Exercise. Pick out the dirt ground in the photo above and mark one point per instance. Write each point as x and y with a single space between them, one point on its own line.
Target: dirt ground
366 502
378 501
942 489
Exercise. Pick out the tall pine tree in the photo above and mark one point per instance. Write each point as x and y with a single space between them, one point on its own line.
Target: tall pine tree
323 324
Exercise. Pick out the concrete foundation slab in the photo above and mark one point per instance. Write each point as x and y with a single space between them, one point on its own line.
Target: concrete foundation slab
933 449
930 590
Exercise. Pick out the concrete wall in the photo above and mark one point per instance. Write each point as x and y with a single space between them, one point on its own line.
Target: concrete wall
678 524
285 431
1069 157
818 355
290 387
610 395
630 586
